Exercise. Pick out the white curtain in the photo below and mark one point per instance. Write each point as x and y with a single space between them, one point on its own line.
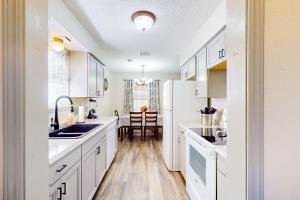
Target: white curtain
128 96
154 103
58 74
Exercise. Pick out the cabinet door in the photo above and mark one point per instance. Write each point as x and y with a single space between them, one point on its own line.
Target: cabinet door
215 51
100 80
221 190
100 161
110 150
71 183
182 153
183 163
192 67
184 72
202 79
55 191
116 139
89 175
92 76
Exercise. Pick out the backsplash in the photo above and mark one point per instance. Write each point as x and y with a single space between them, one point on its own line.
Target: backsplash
64 112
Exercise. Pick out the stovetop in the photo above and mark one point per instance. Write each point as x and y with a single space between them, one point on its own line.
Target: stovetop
216 136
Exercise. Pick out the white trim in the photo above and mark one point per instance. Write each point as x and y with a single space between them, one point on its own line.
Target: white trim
13 91
1 108
255 100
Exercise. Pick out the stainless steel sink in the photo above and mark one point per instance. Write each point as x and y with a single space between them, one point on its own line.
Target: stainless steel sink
73 131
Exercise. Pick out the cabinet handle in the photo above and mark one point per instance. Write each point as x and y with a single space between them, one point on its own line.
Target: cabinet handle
60 193
220 54
62 168
223 53
65 188
98 150
179 139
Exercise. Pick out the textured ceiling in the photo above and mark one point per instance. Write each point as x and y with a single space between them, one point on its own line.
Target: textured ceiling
110 22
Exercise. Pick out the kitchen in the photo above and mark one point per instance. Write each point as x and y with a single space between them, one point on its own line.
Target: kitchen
113 65
96 92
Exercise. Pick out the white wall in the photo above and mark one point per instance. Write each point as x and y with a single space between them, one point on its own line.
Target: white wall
215 23
282 93
36 99
117 97
63 15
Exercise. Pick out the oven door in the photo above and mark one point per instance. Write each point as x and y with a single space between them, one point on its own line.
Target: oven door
201 170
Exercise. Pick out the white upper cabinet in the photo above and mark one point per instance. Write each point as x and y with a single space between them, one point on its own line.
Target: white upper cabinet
86 75
202 79
188 71
216 50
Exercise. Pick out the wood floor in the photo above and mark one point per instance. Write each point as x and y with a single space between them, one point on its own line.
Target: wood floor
139 173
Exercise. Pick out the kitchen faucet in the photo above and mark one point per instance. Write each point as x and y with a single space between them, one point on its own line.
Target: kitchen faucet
55 125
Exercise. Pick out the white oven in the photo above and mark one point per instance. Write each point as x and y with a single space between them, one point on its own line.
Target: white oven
201 169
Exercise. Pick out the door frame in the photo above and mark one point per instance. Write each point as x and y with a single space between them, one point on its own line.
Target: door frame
13 101
255 99
25 136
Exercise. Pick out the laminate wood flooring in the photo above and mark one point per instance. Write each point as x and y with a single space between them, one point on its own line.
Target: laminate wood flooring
139 173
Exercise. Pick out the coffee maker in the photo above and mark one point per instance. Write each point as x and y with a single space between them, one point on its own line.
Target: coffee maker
92 109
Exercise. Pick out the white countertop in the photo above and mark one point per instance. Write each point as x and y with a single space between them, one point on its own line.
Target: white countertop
58 148
221 150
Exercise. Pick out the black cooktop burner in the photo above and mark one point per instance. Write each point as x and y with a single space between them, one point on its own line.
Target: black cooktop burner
211 139
216 136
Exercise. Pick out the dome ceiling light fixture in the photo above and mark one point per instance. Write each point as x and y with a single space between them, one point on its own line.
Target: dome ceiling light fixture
143 20
142 81
57 44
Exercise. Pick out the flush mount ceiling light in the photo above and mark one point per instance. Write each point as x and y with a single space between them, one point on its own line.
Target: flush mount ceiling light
143 20
143 81
57 44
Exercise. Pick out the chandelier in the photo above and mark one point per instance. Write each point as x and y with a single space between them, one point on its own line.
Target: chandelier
142 81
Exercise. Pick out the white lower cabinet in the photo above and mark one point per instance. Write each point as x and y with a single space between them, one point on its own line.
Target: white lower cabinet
100 161
112 144
221 178
78 175
89 175
221 191
182 146
68 187
93 169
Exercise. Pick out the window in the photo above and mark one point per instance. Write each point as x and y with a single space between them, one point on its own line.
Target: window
58 74
141 96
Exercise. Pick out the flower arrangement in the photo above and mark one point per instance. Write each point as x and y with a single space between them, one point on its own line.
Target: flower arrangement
144 108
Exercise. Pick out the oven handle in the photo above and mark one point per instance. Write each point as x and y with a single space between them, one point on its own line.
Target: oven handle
210 151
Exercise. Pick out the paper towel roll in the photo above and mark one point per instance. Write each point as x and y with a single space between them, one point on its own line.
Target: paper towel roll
81 114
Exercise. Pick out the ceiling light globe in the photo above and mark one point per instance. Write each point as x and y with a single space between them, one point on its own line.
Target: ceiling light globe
143 23
57 44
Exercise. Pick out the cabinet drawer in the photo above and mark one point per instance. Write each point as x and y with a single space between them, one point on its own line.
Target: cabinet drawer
221 164
62 166
88 145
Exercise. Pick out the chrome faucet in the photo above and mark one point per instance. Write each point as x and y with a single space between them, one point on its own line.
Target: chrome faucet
55 125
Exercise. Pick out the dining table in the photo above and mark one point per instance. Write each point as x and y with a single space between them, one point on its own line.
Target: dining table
124 121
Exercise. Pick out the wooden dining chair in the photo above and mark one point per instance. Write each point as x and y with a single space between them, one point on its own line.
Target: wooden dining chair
151 124
136 123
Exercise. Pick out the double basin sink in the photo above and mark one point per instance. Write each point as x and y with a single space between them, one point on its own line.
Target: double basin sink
73 131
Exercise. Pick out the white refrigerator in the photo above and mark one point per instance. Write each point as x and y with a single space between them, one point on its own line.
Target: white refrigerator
180 104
